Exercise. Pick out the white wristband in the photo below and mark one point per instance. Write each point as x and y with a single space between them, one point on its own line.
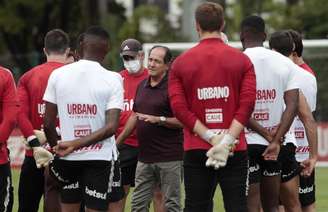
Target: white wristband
30 138
228 139
208 135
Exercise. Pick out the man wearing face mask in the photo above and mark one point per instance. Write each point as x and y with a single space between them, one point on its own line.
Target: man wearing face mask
134 72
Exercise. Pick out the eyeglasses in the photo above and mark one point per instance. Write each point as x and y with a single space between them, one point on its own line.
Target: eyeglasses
128 57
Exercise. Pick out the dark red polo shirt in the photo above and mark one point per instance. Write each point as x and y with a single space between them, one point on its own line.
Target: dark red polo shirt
156 143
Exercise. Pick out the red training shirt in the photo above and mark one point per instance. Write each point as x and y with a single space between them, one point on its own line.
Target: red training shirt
8 111
214 83
130 83
307 68
31 87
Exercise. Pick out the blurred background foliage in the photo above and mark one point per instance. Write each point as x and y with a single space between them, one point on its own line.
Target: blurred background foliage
24 23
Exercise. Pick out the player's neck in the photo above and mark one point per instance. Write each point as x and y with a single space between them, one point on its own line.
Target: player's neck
207 35
299 61
154 80
56 58
96 58
252 44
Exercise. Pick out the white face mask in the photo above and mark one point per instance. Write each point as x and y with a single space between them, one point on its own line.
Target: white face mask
133 66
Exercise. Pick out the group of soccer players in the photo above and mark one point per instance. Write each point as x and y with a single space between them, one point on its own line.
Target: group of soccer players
247 116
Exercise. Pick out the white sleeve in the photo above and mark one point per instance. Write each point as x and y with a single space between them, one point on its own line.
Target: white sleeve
50 93
116 95
293 81
308 86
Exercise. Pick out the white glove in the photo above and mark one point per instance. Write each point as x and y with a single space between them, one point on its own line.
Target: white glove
219 153
42 156
41 136
215 163
27 146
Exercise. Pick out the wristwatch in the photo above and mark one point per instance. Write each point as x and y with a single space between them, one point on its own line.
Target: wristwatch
162 120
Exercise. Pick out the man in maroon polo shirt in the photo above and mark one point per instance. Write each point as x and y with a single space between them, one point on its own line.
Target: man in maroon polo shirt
134 72
159 135
212 90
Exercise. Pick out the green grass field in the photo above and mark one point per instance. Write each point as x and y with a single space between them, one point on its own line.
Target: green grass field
321 186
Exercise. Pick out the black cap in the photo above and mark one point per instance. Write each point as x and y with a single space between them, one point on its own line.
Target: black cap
130 47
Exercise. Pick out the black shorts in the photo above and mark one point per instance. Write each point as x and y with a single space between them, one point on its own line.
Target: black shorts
84 180
6 188
259 167
128 160
117 192
307 190
289 166
201 182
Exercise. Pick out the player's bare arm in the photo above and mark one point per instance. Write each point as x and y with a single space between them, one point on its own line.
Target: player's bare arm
305 114
50 118
291 101
112 117
254 125
128 129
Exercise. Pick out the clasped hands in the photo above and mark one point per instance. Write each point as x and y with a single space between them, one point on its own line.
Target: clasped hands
223 146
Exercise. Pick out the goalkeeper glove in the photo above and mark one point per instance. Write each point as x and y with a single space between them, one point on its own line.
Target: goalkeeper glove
42 156
219 153
40 136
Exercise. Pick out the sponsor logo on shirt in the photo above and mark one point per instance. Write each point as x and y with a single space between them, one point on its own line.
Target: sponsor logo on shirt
82 109
128 104
265 94
213 93
93 147
82 130
299 134
95 194
261 116
214 115
302 149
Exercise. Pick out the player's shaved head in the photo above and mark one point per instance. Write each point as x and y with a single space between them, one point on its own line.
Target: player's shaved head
94 43
252 31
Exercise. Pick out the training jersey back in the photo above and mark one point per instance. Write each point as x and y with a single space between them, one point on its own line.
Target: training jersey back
8 107
214 83
83 91
30 90
308 86
275 74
